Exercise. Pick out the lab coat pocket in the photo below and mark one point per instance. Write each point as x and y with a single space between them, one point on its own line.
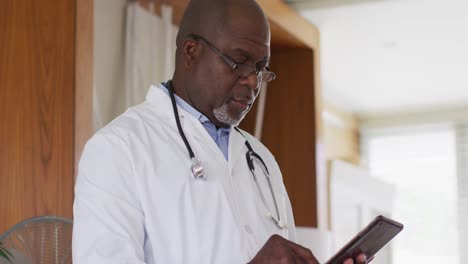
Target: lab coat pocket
206 202
211 222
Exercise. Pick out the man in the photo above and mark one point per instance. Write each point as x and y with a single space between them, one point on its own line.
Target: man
168 180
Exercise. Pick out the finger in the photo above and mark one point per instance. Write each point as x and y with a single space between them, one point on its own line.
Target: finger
306 257
302 253
348 261
361 259
302 260
298 251
310 260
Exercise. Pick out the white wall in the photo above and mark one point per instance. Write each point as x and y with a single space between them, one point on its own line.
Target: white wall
393 55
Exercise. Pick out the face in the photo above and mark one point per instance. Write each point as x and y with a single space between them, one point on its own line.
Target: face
217 90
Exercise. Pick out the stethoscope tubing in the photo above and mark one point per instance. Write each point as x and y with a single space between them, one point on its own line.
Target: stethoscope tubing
198 171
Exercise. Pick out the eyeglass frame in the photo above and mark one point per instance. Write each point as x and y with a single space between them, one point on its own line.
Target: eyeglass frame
233 64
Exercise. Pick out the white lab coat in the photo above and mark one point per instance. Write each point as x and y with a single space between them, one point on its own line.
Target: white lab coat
137 202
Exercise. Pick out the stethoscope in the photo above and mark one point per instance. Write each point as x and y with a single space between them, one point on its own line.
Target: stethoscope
198 171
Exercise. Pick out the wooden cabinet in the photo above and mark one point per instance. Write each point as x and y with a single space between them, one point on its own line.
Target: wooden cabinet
37 108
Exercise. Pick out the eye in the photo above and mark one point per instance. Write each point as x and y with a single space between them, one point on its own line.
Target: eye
261 65
239 56
240 59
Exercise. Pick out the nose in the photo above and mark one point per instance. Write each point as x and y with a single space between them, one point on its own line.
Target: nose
252 81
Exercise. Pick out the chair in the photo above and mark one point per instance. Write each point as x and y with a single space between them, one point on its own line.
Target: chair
39 240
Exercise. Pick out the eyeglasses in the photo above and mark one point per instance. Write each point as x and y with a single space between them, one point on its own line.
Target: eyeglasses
243 70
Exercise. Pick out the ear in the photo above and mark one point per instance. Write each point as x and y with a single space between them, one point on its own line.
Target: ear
191 51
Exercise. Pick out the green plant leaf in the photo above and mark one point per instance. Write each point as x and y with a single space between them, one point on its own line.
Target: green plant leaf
7 252
4 253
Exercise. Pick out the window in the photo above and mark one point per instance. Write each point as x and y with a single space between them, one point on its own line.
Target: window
421 162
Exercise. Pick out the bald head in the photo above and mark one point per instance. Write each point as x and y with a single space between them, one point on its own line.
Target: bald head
217 18
222 45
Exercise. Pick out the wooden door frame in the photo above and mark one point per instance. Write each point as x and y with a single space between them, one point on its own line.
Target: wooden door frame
84 64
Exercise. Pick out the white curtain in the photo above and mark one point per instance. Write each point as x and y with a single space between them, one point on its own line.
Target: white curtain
109 42
133 48
149 50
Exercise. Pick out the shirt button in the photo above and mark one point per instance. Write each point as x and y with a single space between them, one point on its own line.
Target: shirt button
248 229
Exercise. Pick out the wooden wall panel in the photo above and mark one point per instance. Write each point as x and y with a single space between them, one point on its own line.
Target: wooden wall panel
84 62
37 48
289 129
277 11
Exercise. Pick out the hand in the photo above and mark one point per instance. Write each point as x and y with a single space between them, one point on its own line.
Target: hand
280 250
360 259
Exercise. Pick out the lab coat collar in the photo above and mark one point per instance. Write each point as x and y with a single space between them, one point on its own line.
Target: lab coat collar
193 127
186 106
158 99
237 148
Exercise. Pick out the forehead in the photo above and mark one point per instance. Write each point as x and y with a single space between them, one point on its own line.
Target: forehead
241 38
243 26
249 27
246 45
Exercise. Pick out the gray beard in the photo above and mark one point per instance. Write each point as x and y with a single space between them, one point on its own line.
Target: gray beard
222 115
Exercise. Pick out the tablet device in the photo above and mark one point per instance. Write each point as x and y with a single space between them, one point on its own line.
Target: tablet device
369 241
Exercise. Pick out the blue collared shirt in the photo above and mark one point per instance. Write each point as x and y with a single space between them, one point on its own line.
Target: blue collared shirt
220 135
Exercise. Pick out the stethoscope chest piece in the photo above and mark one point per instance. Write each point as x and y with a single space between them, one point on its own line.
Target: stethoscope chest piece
198 171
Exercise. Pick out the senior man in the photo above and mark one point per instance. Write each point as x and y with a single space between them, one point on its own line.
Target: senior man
173 180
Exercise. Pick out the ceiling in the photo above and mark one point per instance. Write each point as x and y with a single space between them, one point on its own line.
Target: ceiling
391 55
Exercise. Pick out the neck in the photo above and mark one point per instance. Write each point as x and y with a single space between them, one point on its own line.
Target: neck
180 90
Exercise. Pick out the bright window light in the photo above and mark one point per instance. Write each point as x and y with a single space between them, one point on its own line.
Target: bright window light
421 164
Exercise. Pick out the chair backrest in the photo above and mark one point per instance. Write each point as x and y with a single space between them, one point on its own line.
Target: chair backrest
40 240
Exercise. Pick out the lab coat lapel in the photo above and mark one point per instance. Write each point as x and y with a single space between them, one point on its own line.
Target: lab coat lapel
237 148
196 130
192 127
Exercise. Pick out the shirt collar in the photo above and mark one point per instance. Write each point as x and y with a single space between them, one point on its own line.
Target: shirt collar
186 106
191 110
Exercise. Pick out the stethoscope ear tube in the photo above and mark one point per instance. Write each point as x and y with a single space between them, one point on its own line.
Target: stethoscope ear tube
198 172
249 160
252 153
